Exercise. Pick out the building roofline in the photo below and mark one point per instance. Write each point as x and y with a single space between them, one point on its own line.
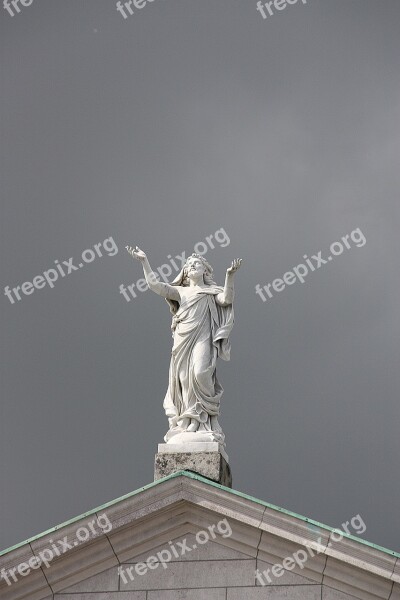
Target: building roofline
197 477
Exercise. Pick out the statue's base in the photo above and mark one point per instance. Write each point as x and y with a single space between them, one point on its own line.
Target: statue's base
208 459
193 437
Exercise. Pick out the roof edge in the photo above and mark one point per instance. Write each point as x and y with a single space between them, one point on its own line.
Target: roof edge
192 475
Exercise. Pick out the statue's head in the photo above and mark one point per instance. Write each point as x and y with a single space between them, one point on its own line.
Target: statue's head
195 267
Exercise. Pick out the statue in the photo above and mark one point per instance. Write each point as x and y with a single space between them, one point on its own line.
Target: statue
202 321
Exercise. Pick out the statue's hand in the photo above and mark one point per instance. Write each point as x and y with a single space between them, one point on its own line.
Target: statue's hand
236 263
136 253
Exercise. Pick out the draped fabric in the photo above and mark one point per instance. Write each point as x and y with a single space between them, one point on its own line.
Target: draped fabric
201 329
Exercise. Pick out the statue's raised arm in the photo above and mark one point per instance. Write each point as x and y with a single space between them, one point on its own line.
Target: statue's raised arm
226 297
162 289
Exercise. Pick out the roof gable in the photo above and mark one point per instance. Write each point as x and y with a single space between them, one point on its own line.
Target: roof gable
146 521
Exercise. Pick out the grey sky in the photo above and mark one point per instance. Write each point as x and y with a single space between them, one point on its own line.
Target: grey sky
187 117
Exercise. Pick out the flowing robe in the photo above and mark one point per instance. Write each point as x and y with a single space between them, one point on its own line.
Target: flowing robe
201 329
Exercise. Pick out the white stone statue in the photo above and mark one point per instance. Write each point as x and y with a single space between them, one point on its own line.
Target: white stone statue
201 324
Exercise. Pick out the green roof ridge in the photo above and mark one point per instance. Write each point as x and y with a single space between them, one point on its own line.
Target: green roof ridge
193 475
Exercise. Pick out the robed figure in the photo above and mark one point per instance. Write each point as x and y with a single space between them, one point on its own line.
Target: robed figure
202 321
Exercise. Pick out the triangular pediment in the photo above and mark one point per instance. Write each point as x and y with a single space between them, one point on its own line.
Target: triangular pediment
192 534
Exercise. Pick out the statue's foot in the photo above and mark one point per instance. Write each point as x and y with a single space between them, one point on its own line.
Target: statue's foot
194 425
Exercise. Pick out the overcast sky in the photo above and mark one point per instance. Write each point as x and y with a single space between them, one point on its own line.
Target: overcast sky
185 118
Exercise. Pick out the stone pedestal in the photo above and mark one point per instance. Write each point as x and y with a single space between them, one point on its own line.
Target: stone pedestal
208 459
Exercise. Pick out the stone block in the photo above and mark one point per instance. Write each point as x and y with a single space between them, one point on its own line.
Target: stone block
396 572
274 576
355 582
291 592
210 551
189 575
395 592
204 594
193 447
103 596
13 585
275 549
331 594
107 581
211 465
